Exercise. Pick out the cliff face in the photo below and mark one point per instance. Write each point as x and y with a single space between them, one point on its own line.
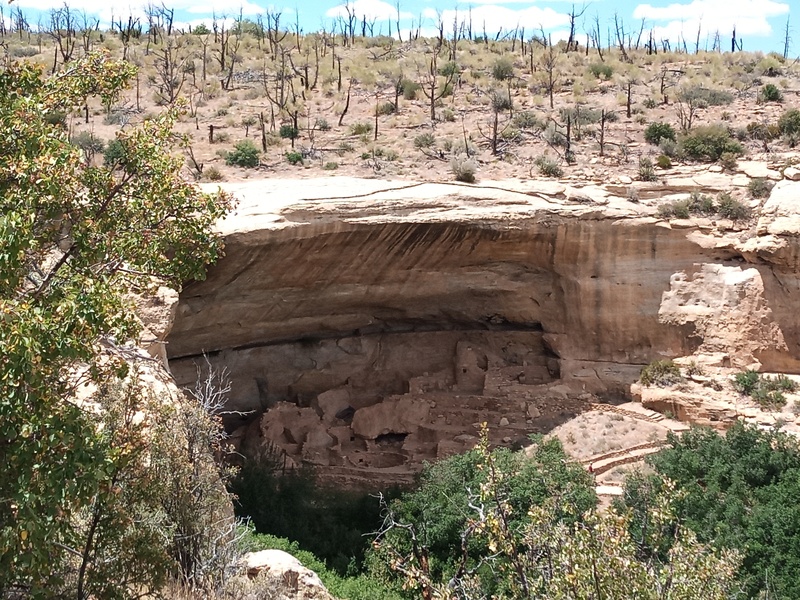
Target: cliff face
394 318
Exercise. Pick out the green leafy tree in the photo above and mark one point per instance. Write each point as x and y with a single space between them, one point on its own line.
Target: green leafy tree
436 515
736 491
548 549
75 240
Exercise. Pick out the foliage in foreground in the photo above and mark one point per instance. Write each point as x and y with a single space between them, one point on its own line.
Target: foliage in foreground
75 240
330 523
546 547
738 492
348 587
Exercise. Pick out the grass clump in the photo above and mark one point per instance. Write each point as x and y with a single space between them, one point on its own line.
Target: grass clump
503 69
244 154
646 170
767 391
288 132
526 120
661 373
386 108
464 168
601 70
656 132
424 140
548 167
362 128
212 174
410 89
729 207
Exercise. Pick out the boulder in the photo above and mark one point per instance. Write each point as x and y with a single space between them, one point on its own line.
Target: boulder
289 578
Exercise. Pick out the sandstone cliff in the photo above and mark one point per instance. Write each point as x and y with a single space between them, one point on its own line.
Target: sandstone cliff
374 324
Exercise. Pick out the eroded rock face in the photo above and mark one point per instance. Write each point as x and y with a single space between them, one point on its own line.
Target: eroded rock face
380 328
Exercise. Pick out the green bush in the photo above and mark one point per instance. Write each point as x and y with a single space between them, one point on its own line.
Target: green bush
771 93
244 154
56 117
526 120
729 161
679 209
438 507
548 167
730 208
789 123
601 70
294 158
656 132
352 587
708 143
288 132
330 166
386 108
330 523
760 187
86 141
410 89
660 373
424 140
664 162
503 69
766 391
322 124
114 153
738 491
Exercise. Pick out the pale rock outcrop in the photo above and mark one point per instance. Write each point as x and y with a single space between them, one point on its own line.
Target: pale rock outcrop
373 325
289 579
727 308
791 173
157 314
395 415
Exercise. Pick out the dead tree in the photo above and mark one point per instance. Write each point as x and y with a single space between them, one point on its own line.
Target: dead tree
619 29
437 82
62 30
132 29
233 52
572 41
170 73
549 65
594 34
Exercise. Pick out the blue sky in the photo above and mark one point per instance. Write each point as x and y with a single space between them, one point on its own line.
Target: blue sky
760 23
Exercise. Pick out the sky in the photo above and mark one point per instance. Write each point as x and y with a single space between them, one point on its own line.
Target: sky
761 24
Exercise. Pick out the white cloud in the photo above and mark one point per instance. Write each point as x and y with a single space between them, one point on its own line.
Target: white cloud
371 9
501 17
750 17
105 9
